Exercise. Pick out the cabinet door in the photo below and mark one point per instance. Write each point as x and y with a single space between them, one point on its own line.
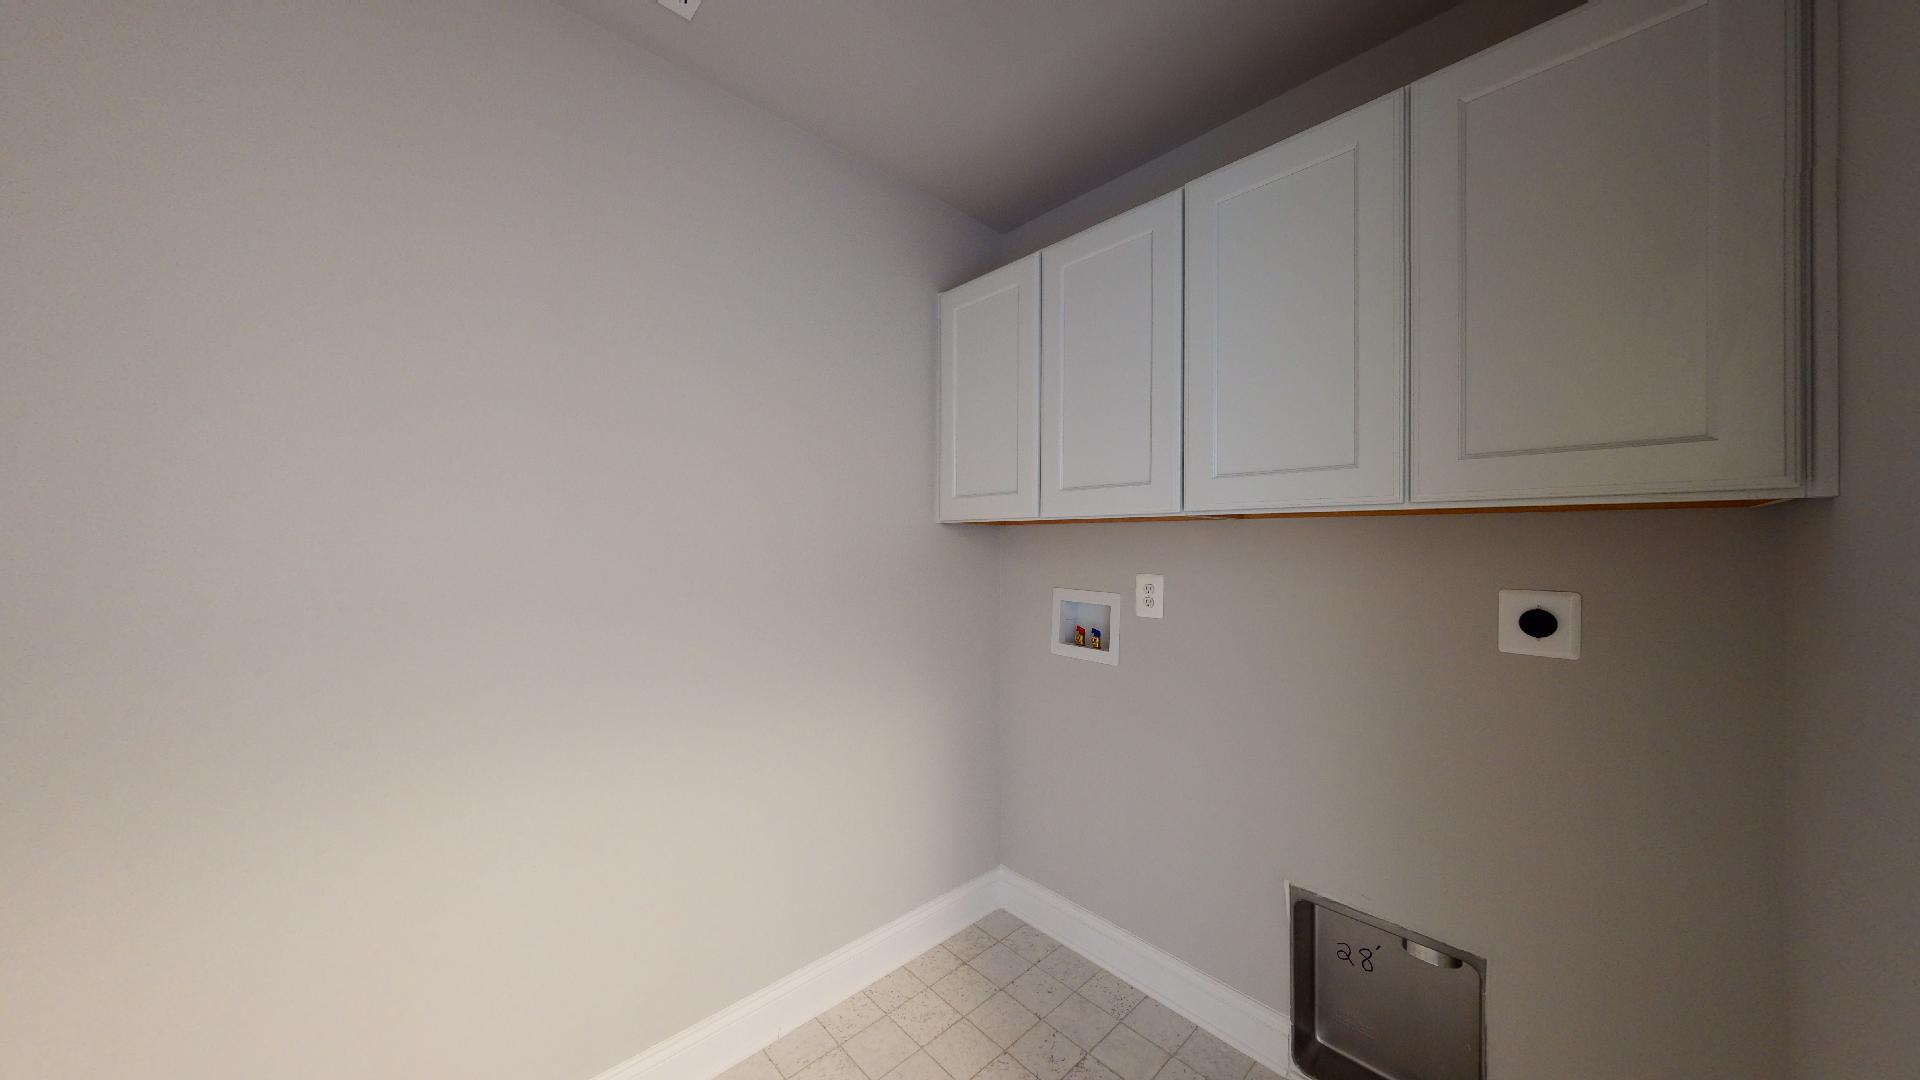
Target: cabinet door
1110 367
1604 257
1296 320
990 396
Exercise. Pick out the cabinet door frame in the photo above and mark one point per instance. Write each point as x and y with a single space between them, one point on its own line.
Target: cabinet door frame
1158 223
1753 428
1021 498
1374 137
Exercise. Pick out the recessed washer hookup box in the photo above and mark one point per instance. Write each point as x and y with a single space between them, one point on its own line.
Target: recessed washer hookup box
1376 1001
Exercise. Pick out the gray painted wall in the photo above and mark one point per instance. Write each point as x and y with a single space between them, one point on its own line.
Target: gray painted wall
1323 703
361 391
460 479
1856 611
1735 763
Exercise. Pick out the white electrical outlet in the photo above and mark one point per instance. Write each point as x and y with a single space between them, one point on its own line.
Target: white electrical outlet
1540 623
1149 595
682 8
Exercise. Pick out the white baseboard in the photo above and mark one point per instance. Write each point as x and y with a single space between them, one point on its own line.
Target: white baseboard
1254 1029
735 1033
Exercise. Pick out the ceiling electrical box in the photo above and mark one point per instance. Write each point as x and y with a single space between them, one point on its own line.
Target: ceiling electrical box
682 8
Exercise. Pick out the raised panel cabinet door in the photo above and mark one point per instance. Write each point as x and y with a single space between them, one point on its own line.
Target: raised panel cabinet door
1296 320
1605 257
1110 367
990 396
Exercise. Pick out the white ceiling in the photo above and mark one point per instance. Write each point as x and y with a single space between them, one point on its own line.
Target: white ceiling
1008 108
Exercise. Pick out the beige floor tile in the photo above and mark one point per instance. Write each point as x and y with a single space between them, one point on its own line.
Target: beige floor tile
1000 924
896 990
1069 967
1082 1021
965 989
1129 1054
881 1048
925 1017
1032 945
933 965
1000 1001
1089 1069
1003 1019
851 1017
969 943
1178 1070
1163 1027
1112 993
1046 1053
757 1067
1039 991
963 1050
835 1066
919 1067
1210 1057
1004 1068
1000 964
800 1048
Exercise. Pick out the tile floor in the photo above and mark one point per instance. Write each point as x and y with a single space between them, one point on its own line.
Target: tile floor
999 1001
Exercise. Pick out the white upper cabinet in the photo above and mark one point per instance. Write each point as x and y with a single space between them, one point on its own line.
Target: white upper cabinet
1605 287
1571 268
1110 367
1296 320
990 396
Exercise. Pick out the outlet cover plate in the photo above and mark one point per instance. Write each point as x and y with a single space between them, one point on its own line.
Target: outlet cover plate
682 8
1149 596
1562 644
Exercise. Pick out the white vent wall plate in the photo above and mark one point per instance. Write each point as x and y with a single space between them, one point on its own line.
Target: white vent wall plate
682 8
1562 643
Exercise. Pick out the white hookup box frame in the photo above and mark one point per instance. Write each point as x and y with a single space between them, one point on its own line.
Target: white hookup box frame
1093 610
